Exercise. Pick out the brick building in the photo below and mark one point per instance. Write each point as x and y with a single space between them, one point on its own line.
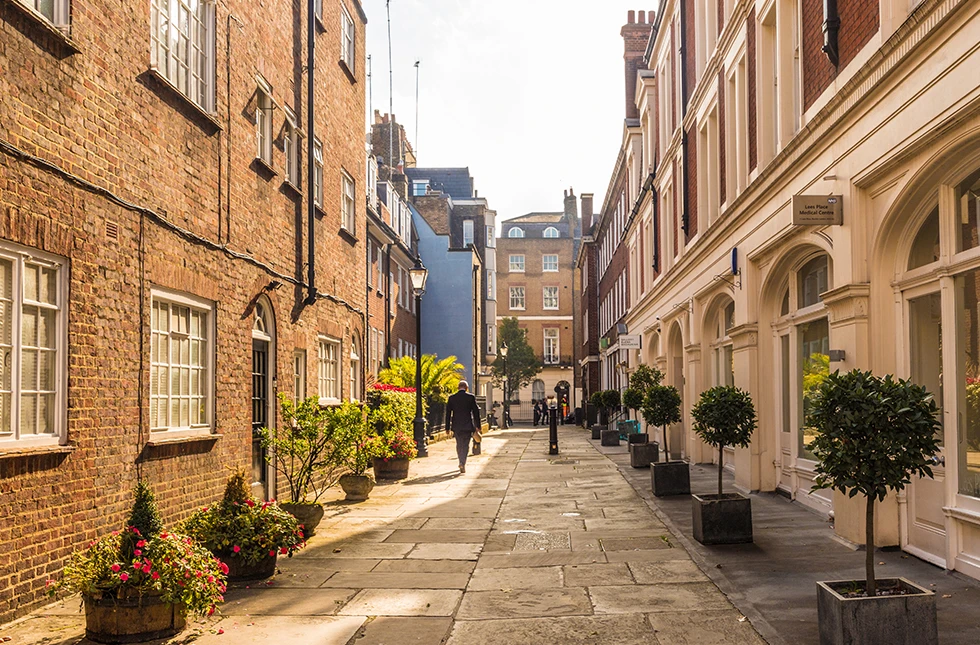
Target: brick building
156 252
537 286
742 107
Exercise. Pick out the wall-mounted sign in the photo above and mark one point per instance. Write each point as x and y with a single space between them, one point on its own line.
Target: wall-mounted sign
629 341
818 210
603 343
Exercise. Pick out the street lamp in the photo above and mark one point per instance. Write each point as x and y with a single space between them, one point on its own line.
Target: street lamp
419 274
503 354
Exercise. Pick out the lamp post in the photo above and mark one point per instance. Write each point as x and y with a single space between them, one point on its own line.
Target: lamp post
503 354
419 274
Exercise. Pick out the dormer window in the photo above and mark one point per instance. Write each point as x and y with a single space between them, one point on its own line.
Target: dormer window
516 232
551 231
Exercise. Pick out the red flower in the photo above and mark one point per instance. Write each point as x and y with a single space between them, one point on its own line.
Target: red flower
283 551
272 553
250 503
155 575
115 568
210 578
236 548
137 552
124 577
163 535
146 568
141 544
224 568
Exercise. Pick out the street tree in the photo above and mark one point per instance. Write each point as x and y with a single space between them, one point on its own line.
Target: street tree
520 366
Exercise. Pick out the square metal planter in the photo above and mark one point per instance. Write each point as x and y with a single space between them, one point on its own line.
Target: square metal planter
722 519
908 619
643 454
597 429
610 437
670 478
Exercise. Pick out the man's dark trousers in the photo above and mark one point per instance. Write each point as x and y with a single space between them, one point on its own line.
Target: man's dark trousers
463 445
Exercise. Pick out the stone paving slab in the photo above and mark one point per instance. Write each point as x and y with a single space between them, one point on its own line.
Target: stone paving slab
539 559
403 602
444 536
596 575
524 603
627 599
366 550
577 630
646 573
333 630
285 602
518 578
434 551
387 580
426 566
704 628
396 630
464 523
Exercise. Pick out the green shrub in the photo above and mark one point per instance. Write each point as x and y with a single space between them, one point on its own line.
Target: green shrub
724 416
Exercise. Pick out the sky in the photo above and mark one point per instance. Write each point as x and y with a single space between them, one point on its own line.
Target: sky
529 94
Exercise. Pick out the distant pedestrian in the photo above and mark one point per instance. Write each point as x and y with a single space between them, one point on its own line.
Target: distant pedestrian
537 411
462 420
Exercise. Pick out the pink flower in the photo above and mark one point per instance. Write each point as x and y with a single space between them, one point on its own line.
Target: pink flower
236 548
137 565
210 578
146 568
199 574
224 568
124 577
283 551
155 575
141 544
137 552
115 568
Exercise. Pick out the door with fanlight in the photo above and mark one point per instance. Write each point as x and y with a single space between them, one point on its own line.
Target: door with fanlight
263 397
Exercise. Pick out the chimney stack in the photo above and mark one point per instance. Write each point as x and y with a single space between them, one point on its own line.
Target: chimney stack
571 205
586 212
636 35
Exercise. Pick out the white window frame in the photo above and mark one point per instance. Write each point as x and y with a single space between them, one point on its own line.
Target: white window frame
546 263
516 232
491 239
348 204
490 291
299 375
327 374
318 10
552 341
291 145
551 232
355 371
518 295
19 257
468 232
60 12
516 263
348 37
201 306
264 107
545 297
167 62
318 174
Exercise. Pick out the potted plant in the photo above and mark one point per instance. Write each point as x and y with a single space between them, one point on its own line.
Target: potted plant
138 584
873 434
303 452
244 533
661 408
633 400
355 451
596 400
610 400
724 416
391 413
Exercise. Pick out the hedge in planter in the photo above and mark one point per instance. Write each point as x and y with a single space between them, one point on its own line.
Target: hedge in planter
723 416
246 534
140 583
873 434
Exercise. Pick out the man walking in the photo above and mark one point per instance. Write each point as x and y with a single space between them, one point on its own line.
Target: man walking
462 419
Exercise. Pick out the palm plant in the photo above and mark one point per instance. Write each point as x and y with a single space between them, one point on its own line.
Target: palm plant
439 377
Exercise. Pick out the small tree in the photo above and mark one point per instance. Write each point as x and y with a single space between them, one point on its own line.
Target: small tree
873 434
611 399
662 407
644 377
521 365
724 416
144 517
632 399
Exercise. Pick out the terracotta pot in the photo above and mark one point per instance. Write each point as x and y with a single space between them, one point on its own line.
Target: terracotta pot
308 515
241 571
391 469
357 487
131 620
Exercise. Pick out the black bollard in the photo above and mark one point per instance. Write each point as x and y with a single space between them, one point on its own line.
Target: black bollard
553 429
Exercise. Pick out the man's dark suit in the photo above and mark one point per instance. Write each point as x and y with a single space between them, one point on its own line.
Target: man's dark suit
462 418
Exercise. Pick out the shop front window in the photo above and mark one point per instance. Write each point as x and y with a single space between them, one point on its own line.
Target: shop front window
815 343
969 329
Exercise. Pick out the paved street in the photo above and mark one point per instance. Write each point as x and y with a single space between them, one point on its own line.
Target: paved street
522 548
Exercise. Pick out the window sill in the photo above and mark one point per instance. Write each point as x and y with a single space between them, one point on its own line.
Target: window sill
166 438
291 188
197 110
346 233
319 210
61 36
331 402
318 21
38 449
347 70
265 167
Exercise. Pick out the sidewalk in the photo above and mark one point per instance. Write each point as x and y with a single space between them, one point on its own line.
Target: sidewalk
522 548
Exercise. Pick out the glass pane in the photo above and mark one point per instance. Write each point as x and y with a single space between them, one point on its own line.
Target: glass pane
925 248
786 385
5 369
28 326
926 346
48 286
30 282
46 371
28 373
968 202
6 279
969 388
47 328
46 413
812 281
6 321
815 344
5 413
28 414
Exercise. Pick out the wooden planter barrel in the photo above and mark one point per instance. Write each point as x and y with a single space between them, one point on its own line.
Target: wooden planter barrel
134 619
391 469
241 571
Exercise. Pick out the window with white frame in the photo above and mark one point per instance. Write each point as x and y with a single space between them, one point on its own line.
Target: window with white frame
355 370
551 349
299 375
550 297
32 346
263 122
549 263
181 338
318 10
329 370
467 232
182 47
490 292
517 297
491 240
551 231
348 211
318 174
290 148
517 264
346 38
54 11
515 232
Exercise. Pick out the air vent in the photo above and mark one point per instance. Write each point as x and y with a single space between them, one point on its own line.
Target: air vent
112 230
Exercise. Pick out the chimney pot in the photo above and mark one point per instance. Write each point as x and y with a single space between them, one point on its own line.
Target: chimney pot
631 17
642 19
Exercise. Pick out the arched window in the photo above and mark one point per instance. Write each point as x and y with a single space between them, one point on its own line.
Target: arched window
516 232
723 366
551 231
925 248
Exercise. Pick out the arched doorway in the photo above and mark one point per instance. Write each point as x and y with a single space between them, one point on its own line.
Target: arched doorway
675 376
263 395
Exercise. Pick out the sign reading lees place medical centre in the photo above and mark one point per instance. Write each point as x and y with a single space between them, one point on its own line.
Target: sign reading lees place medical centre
818 210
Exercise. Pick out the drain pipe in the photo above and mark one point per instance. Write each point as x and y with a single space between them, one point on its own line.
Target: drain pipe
311 159
685 216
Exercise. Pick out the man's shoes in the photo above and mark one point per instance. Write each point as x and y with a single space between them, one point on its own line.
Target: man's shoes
462 469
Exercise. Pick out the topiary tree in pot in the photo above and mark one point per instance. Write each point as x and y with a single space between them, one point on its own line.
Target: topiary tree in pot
632 399
874 435
610 400
661 408
723 416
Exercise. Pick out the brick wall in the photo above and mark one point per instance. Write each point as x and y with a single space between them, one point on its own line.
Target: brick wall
636 34
859 21
101 116
691 183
